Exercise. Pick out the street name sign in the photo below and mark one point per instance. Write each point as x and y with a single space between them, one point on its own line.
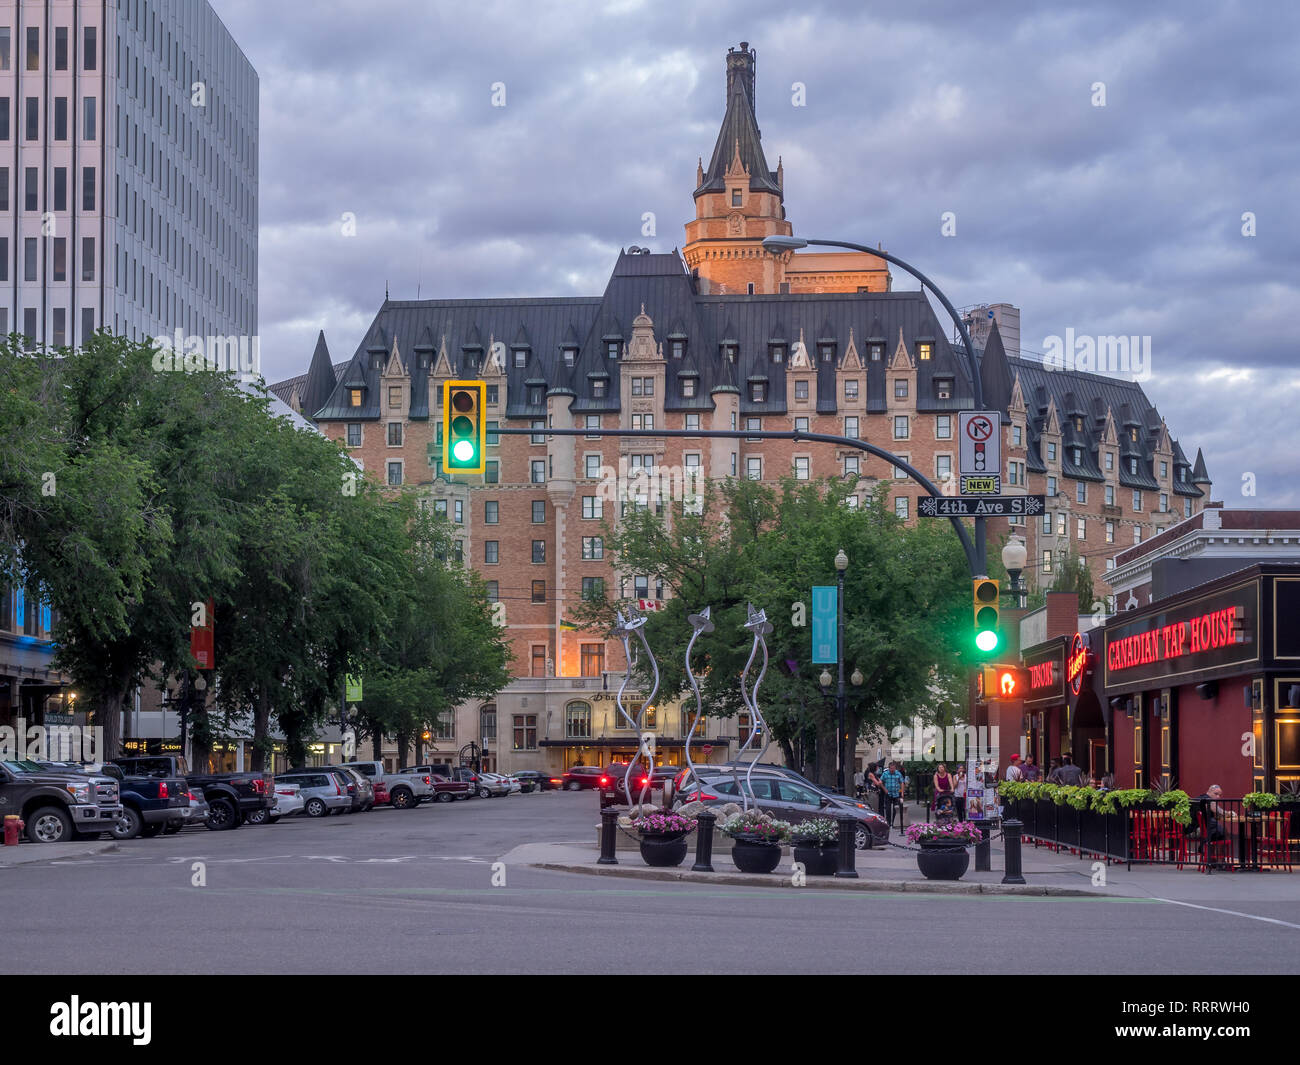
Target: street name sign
979 507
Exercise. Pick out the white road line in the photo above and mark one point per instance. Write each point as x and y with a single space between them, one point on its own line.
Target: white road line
1233 913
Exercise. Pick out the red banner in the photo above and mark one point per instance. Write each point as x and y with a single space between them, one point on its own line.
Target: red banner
202 639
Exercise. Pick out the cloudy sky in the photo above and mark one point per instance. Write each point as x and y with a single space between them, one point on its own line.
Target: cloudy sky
1122 219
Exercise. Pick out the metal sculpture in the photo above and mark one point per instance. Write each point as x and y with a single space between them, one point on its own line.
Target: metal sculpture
637 625
624 633
700 623
760 627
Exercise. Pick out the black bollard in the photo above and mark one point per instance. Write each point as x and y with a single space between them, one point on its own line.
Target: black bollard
983 863
608 828
1011 837
848 838
704 842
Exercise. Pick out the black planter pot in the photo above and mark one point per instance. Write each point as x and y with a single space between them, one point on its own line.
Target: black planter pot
755 856
663 849
941 860
819 859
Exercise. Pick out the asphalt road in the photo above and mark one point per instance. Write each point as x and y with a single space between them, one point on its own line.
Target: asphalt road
420 891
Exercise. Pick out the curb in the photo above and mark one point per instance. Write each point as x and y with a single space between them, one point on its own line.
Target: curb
32 853
915 887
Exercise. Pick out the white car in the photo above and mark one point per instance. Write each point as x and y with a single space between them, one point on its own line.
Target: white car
491 785
288 802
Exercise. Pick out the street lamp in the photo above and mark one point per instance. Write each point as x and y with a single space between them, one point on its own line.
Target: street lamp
841 564
777 244
1014 557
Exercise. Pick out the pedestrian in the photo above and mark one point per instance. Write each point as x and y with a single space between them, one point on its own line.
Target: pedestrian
1066 773
1029 771
959 793
1013 770
943 782
894 784
875 784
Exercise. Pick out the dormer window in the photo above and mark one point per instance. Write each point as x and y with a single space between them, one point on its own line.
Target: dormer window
1078 423
851 388
730 351
737 198
1051 452
828 352
924 351
611 349
900 388
534 395
354 397
688 387
1133 435
570 356
758 391
877 350
1078 456
493 395
376 362
1132 466
801 390
597 389
943 387
678 348
778 353
521 358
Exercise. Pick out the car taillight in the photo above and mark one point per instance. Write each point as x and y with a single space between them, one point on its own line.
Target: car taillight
604 781
192 796
337 789
259 786
428 781
645 780
162 790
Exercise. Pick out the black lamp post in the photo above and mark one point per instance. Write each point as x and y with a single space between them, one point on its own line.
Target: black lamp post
841 564
1014 557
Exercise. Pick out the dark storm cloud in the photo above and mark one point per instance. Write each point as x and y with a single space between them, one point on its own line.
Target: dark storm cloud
1123 219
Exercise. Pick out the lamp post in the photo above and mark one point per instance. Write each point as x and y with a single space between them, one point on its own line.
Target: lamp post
1014 557
841 564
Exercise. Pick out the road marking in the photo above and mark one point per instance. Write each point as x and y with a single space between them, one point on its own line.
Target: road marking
1233 913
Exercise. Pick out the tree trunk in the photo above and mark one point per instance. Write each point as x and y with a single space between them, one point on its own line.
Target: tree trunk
261 721
108 716
377 740
826 749
200 726
403 741
787 752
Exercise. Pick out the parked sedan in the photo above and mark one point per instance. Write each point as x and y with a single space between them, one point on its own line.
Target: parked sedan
363 791
532 780
789 800
611 784
491 786
324 791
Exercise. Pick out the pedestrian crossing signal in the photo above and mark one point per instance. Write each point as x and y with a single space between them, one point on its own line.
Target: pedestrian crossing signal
463 406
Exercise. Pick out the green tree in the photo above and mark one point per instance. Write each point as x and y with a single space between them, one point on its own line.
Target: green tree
907 596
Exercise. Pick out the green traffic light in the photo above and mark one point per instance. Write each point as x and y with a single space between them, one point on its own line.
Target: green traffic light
986 640
463 451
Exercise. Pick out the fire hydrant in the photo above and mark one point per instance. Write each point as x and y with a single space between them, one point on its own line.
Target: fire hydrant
14 826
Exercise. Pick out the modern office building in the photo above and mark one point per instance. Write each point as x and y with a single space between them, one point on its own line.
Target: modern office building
128 171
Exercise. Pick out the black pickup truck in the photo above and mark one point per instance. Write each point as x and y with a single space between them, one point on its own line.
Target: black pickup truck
229 795
150 805
57 805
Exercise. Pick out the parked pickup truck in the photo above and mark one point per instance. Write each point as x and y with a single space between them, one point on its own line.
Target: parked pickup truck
405 790
58 805
444 789
149 804
229 795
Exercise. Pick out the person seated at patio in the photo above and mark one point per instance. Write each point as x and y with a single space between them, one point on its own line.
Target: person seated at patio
1211 811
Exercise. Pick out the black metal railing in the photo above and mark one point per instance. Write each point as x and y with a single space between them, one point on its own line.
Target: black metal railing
1223 833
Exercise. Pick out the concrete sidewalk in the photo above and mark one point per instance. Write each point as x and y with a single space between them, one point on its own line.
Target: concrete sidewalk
894 869
27 853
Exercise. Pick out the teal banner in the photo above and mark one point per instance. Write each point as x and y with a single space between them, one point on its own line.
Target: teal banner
825 620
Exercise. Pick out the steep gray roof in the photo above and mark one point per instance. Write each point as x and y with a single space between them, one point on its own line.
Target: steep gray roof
739 129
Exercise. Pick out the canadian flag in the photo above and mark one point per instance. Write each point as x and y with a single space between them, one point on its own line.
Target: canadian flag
649 604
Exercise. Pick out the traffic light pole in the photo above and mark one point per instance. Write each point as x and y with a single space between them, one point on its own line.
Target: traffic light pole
974 550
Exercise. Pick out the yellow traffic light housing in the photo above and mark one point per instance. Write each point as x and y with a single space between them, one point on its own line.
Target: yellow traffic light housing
463 427
988 640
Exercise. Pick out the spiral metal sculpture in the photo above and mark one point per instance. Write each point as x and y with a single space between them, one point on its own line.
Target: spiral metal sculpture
624 633
637 625
760 627
701 624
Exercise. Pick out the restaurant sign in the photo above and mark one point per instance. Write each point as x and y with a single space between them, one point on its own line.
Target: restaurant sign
1045 669
1208 633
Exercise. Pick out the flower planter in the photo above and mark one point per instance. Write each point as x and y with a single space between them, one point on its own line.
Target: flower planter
755 856
819 859
663 849
941 860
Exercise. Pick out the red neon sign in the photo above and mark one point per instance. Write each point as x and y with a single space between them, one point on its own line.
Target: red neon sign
1075 666
1043 675
1208 632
